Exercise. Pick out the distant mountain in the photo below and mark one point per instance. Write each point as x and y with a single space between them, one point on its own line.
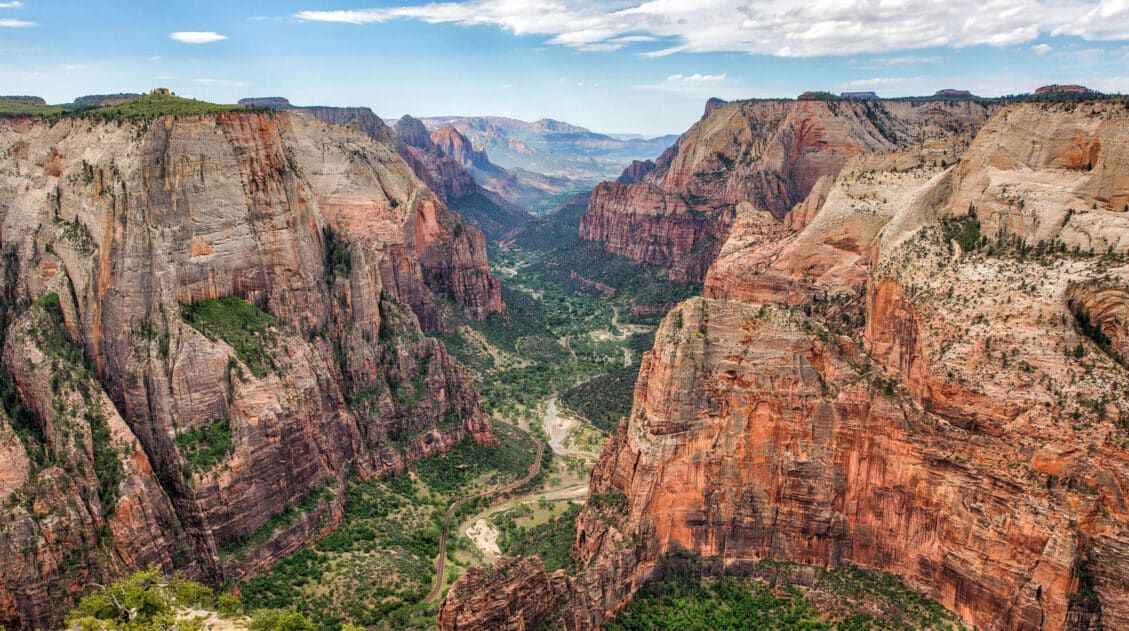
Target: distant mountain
553 148
444 160
533 191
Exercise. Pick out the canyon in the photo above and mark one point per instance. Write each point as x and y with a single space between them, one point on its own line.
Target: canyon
210 322
909 356
240 342
771 154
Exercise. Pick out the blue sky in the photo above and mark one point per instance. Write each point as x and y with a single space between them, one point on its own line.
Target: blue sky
627 66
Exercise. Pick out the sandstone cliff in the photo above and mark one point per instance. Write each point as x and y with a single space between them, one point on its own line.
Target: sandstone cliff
926 377
238 304
769 154
444 160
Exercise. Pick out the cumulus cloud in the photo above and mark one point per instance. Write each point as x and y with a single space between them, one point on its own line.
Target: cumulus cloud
197 37
696 85
7 23
771 27
1041 49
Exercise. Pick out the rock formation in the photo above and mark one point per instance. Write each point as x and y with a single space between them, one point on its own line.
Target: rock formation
444 160
767 153
208 322
924 376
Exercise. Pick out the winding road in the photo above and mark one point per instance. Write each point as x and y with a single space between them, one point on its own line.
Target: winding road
441 560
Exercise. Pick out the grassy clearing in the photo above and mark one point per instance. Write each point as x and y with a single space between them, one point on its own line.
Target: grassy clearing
23 109
250 331
157 105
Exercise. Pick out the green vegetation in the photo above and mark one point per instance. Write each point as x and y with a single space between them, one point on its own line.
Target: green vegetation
148 601
684 600
964 230
157 105
246 328
459 468
279 620
1092 330
285 518
377 566
819 95
69 373
206 446
338 260
552 541
606 400
686 596
11 109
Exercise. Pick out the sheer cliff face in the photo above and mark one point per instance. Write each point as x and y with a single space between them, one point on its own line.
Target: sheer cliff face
769 154
942 403
324 232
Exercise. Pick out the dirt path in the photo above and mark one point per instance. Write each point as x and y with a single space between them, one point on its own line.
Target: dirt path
558 429
441 560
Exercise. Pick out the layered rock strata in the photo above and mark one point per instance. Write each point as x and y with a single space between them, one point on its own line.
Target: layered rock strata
769 154
445 160
927 379
238 304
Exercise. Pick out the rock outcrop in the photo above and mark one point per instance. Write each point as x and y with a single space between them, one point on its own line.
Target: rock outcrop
444 160
926 378
766 153
211 321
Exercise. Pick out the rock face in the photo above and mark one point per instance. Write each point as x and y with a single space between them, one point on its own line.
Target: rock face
444 174
767 153
110 233
944 399
442 159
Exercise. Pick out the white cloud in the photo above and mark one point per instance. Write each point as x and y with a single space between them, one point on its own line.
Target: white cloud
771 27
220 82
197 37
74 67
8 23
697 85
1041 49
363 16
155 58
696 77
15 4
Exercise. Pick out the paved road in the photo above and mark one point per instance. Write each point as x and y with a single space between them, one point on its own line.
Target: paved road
534 469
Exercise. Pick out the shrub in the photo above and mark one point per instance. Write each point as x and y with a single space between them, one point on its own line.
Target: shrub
246 328
280 620
206 446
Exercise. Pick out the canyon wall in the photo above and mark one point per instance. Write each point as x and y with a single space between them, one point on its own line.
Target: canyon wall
918 370
769 154
209 323
445 160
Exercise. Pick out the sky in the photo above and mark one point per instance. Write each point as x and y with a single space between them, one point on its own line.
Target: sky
614 66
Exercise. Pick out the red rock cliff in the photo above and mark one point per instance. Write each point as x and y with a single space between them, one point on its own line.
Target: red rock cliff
321 228
766 153
944 399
